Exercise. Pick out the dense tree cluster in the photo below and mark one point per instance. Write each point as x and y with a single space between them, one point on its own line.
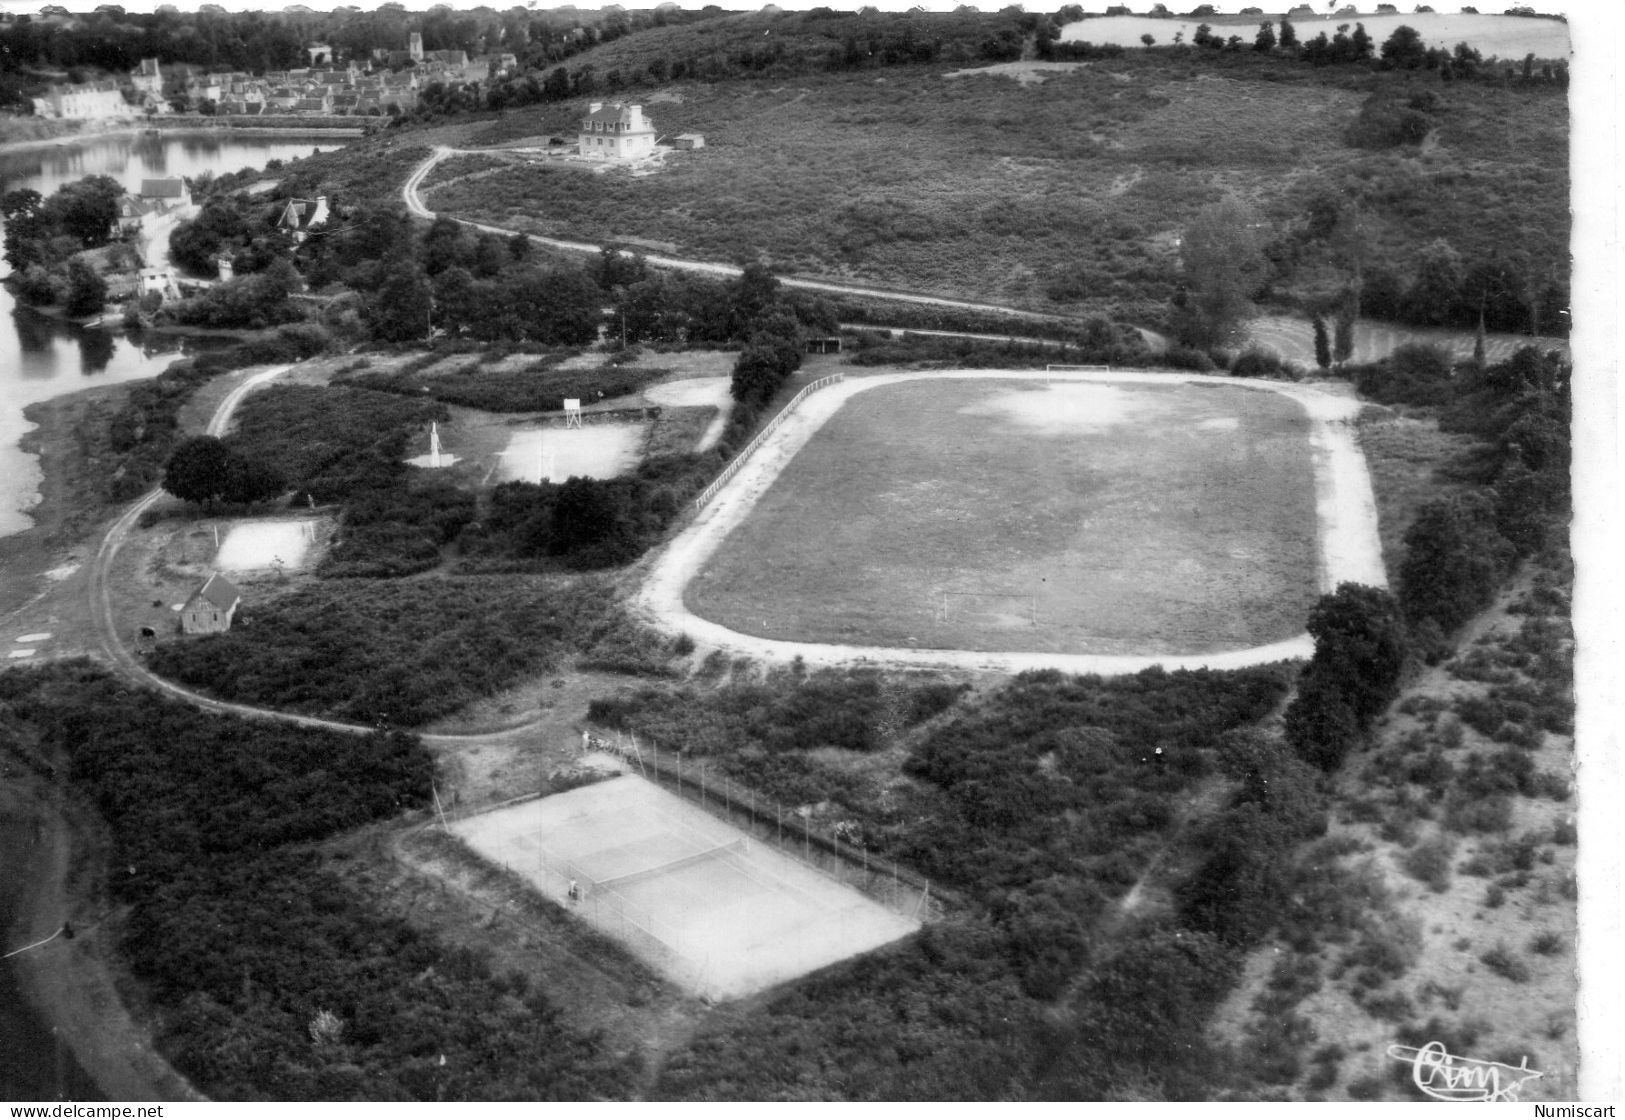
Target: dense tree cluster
45 235
1042 802
1360 650
1511 290
1222 259
273 978
348 445
206 470
250 302
46 231
773 349
401 653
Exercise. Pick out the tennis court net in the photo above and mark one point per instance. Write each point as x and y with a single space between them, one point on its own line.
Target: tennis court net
638 876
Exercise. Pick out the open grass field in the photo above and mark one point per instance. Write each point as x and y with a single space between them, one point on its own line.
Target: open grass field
1023 516
716 911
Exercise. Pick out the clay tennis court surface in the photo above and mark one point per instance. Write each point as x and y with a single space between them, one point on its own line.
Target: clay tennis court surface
723 914
254 545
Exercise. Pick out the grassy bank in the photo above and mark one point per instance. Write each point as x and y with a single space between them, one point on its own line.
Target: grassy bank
1064 194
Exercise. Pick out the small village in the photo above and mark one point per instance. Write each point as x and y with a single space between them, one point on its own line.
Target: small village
383 82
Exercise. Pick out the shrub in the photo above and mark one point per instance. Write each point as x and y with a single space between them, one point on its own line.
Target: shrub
1184 357
1429 862
1502 962
1454 559
1415 373
1546 943
1253 362
1484 814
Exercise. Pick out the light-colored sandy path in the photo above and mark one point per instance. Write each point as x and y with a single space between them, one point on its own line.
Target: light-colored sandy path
1350 550
697 392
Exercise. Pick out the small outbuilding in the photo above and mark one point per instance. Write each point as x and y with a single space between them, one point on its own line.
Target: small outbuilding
829 345
211 607
688 141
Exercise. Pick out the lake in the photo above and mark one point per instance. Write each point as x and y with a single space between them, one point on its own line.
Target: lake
41 357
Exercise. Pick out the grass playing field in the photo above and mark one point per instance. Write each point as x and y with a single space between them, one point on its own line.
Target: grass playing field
1024 516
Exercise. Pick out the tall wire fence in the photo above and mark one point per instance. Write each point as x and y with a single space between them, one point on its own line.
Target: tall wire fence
739 460
789 829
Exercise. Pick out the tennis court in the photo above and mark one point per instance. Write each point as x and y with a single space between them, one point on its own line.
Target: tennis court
713 909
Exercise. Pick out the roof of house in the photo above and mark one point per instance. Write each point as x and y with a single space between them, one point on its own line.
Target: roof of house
218 591
163 188
615 112
132 207
299 213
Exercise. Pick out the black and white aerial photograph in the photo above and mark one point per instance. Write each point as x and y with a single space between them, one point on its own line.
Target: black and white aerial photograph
791 553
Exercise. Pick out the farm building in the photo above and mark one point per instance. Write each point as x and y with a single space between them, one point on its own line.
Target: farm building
211 607
823 345
688 141
615 132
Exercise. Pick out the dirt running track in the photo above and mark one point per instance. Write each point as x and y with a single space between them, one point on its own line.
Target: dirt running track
1344 505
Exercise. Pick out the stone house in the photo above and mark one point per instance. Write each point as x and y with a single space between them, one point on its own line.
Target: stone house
211 607
615 132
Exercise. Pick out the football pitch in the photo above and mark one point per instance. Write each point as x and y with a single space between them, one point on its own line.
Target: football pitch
1037 515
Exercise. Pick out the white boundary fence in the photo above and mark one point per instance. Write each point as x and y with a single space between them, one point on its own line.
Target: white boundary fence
739 460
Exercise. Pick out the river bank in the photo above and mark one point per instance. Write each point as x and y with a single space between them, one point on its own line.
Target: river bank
40 563
66 1028
54 871
76 132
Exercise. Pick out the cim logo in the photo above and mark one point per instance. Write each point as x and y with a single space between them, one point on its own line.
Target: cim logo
1447 1077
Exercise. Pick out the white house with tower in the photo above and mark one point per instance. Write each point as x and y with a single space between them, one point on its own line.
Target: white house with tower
615 131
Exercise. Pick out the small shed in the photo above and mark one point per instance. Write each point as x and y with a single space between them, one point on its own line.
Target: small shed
830 345
211 607
687 141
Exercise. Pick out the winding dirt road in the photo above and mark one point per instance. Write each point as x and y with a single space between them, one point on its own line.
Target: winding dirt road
125 663
411 196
